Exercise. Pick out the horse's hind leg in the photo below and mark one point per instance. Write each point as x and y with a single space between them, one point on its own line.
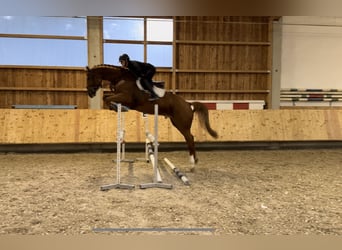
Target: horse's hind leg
184 128
191 146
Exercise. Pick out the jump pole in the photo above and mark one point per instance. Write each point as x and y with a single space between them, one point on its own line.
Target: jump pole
156 180
149 152
119 141
122 137
177 172
151 158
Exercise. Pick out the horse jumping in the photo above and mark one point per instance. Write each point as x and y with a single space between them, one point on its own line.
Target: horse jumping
124 90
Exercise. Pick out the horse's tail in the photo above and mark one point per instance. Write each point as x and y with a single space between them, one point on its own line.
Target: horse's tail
203 115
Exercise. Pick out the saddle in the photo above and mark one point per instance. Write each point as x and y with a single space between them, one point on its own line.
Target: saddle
158 87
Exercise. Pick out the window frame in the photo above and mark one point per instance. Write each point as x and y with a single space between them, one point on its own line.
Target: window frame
144 42
52 37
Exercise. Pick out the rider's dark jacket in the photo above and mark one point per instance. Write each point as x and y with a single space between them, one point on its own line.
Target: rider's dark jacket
140 69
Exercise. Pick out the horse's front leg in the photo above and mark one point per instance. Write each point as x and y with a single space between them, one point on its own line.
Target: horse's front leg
125 100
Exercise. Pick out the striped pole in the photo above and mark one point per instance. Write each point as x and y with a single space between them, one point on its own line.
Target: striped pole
177 172
152 150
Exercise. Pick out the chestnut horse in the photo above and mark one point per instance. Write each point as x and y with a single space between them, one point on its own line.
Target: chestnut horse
124 90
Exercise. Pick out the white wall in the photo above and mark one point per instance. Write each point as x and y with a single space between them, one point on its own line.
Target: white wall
311 52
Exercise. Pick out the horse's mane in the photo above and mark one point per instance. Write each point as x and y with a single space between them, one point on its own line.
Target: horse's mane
106 66
112 70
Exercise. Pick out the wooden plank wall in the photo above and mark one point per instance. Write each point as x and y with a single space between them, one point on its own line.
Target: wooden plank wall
95 126
224 58
42 86
49 86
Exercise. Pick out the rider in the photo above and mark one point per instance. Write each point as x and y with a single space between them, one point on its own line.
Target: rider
140 69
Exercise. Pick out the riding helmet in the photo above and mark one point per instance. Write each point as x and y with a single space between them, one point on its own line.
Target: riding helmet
124 57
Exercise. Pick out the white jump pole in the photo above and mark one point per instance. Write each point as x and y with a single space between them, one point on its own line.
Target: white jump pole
149 152
122 137
156 180
177 172
152 158
119 141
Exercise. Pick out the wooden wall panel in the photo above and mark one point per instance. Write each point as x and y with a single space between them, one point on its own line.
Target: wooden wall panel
223 54
221 81
222 28
42 86
42 77
93 126
221 57
34 86
10 98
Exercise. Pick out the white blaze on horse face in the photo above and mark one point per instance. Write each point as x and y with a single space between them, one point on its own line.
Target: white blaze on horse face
192 107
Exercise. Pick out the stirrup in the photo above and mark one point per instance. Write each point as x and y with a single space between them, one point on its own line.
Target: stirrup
153 98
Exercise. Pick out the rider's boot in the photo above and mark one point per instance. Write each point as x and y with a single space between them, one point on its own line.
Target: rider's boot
149 86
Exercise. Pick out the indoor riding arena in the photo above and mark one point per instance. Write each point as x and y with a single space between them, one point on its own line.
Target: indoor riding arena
71 165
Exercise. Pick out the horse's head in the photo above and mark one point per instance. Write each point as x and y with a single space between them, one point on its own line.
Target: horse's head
93 83
106 72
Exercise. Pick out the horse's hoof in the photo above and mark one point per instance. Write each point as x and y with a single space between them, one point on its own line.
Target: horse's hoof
124 108
193 160
113 106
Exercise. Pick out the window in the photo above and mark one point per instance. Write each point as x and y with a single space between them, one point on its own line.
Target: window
123 28
159 55
43 41
159 30
112 51
42 52
140 38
